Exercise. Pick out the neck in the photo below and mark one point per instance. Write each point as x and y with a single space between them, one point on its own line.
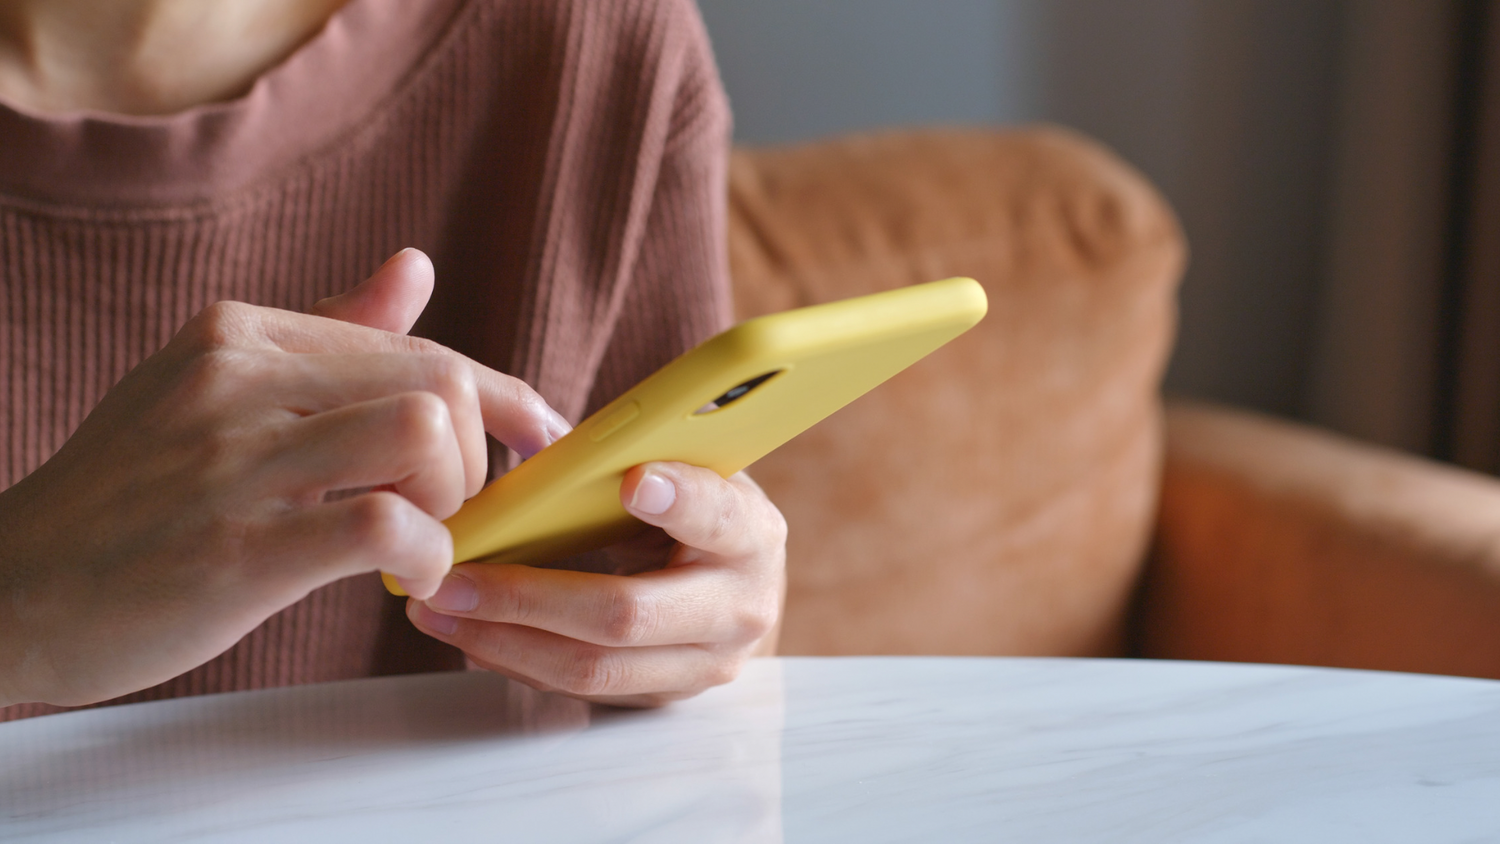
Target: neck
145 57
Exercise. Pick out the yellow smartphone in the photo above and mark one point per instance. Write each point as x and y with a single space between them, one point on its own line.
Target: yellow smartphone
722 405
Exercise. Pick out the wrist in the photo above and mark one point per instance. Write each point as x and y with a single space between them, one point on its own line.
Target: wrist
19 654
16 655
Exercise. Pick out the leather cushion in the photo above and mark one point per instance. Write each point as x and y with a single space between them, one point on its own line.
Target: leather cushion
997 497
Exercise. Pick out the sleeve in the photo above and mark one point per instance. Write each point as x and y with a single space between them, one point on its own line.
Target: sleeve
679 292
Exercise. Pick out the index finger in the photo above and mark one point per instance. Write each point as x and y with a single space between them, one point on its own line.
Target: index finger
512 412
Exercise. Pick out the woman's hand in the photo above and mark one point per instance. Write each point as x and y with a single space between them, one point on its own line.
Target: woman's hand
194 501
641 639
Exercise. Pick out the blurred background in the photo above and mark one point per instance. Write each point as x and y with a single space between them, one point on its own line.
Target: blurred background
1326 158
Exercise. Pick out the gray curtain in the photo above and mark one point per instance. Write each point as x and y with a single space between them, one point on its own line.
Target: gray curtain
1408 347
1468 413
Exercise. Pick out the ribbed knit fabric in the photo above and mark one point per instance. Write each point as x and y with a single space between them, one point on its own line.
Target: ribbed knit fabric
562 161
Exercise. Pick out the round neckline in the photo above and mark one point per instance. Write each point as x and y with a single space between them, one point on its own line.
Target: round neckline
91 159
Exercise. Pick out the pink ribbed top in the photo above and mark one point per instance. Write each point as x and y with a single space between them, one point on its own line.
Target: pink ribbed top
562 161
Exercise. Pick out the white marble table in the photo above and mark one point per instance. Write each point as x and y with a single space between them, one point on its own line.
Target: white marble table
798 750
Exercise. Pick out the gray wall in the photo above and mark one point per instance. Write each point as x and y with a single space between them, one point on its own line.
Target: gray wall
1228 105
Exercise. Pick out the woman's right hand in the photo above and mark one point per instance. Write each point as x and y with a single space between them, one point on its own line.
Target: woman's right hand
193 502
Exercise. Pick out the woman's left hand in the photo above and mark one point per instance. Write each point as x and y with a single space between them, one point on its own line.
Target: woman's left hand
639 639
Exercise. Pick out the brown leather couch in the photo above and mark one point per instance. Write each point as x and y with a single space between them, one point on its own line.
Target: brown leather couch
1024 490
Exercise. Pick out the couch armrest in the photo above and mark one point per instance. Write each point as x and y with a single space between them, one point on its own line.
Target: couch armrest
1280 543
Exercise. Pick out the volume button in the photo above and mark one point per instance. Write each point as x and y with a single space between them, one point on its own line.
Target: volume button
616 420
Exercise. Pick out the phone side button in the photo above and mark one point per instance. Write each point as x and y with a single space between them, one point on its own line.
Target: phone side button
614 421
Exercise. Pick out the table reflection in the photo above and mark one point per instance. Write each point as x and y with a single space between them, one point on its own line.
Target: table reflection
806 750
381 760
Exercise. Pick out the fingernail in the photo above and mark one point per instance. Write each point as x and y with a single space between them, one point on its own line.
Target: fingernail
456 594
654 494
428 619
557 426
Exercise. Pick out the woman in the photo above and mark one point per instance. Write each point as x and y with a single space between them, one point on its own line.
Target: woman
216 521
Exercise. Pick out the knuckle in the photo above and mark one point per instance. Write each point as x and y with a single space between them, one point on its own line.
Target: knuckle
757 619
380 520
419 345
776 525
722 671
531 399
508 602
422 422
773 525
451 376
629 618
591 672
385 527
219 325
720 525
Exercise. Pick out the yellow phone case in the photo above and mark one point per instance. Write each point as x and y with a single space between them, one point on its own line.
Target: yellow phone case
799 365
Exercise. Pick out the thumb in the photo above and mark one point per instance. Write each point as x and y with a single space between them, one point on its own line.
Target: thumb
390 300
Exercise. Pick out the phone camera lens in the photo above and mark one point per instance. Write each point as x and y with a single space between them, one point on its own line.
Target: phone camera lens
737 392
